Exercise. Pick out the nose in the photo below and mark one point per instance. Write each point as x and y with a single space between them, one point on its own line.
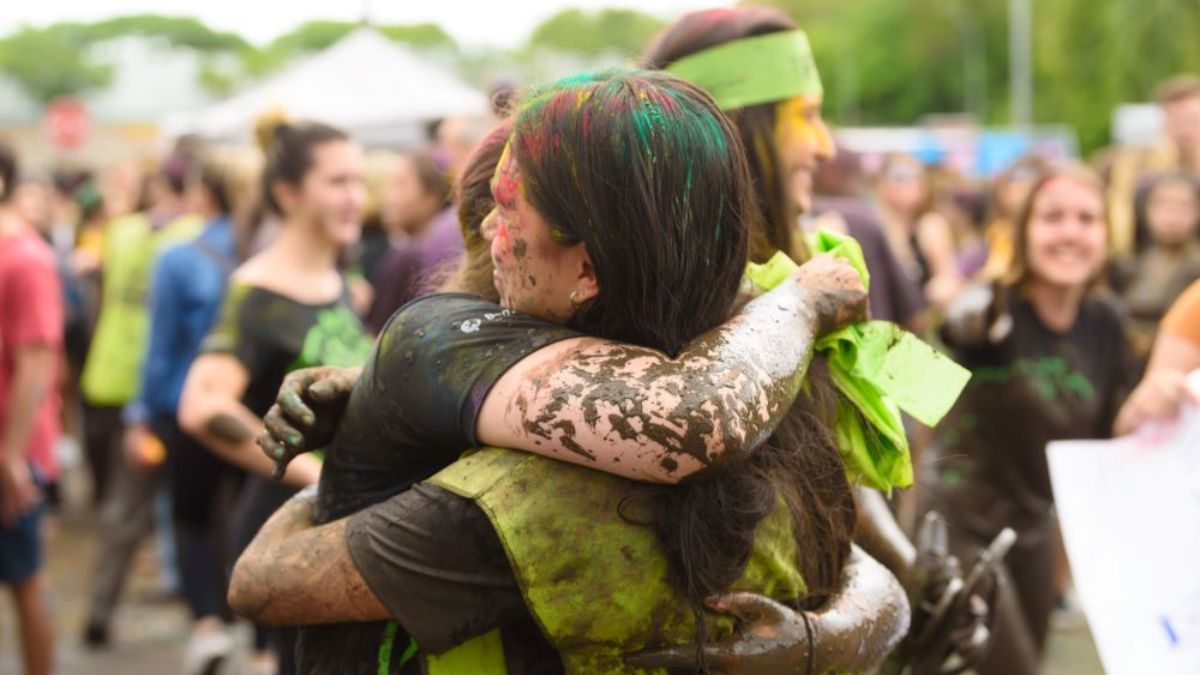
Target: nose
487 229
826 148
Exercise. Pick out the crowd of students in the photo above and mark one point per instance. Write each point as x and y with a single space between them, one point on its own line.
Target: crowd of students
563 280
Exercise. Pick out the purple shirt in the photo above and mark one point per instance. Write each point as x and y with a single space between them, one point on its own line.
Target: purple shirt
415 269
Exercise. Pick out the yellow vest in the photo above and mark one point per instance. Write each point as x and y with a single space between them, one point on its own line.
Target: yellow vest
597 584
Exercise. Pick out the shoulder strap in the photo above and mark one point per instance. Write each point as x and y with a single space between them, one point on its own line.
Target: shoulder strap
223 261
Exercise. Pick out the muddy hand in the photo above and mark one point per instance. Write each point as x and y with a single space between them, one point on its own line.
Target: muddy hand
306 413
952 613
841 297
770 639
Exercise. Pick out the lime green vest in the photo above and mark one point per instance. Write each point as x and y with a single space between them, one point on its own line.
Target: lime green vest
597 584
110 376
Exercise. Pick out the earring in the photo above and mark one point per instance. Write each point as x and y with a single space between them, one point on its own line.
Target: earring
574 300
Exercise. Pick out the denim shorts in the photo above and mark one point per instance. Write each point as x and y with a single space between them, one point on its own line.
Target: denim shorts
21 546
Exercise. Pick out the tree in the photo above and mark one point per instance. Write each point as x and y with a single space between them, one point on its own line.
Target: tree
627 31
47 63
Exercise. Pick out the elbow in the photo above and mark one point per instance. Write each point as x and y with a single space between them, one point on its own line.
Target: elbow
246 597
190 414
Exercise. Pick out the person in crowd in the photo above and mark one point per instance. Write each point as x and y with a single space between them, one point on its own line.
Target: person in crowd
839 204
110 379
31 329
1148 283
414 201
1009 193
534 273
284 308
921 237
1050 360
1176 353
186 291
1127 169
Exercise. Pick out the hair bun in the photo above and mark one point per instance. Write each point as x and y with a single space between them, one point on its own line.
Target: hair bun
268 125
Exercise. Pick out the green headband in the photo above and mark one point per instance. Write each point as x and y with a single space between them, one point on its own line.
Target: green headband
753 70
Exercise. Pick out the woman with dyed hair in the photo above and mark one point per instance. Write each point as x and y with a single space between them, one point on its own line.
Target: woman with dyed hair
582 237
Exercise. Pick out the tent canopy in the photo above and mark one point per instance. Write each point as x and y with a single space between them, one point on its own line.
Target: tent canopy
380 92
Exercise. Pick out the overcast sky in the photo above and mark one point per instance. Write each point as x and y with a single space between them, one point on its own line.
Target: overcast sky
471 22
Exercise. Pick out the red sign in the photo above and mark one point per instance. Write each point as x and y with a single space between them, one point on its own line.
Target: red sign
66 123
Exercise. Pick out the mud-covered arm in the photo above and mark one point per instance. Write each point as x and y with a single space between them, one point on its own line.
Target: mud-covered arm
294 572
878 533
855 631
638 413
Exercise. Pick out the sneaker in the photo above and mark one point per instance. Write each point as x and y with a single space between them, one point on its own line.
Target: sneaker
206 652
95 635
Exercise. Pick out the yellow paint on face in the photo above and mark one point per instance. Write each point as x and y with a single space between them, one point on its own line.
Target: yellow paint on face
798 119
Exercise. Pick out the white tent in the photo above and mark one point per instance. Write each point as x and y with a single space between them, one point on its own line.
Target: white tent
377 90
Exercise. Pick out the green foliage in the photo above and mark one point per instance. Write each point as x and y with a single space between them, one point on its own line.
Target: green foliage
891 62
52 61
47 64
179 31
591 33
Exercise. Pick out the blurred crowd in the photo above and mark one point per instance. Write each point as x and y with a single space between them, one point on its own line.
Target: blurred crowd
143 257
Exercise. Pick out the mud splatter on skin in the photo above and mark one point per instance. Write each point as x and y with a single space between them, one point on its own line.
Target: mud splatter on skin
520 248
855 630
707 405
228 429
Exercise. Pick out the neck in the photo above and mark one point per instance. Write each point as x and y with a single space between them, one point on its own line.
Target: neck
1173 247
1057 306
10 224
300 247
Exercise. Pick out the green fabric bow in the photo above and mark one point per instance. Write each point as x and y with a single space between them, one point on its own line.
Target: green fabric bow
880 369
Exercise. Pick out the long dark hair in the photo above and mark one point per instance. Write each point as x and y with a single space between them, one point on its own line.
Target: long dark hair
697 31
803 448
646 171
643 170
287 148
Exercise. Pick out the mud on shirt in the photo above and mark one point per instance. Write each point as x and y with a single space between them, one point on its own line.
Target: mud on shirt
431 557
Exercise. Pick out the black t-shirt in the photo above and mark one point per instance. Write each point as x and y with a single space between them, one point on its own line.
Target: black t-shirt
1033 387
413 412
272 335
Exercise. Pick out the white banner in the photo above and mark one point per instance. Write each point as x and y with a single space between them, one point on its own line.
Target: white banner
1130 514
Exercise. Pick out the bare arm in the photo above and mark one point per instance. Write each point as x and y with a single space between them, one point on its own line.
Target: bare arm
297 573
1163 388
637 413
210 410
880 535
33 375
936 241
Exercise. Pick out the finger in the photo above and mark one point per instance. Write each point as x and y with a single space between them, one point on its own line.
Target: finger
282 431
270 445
750 608
293 406
330 389
685 657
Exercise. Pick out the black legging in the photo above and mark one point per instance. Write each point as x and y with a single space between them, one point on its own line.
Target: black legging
202 490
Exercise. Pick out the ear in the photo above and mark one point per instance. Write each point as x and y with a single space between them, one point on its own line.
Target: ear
586 285
286 195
